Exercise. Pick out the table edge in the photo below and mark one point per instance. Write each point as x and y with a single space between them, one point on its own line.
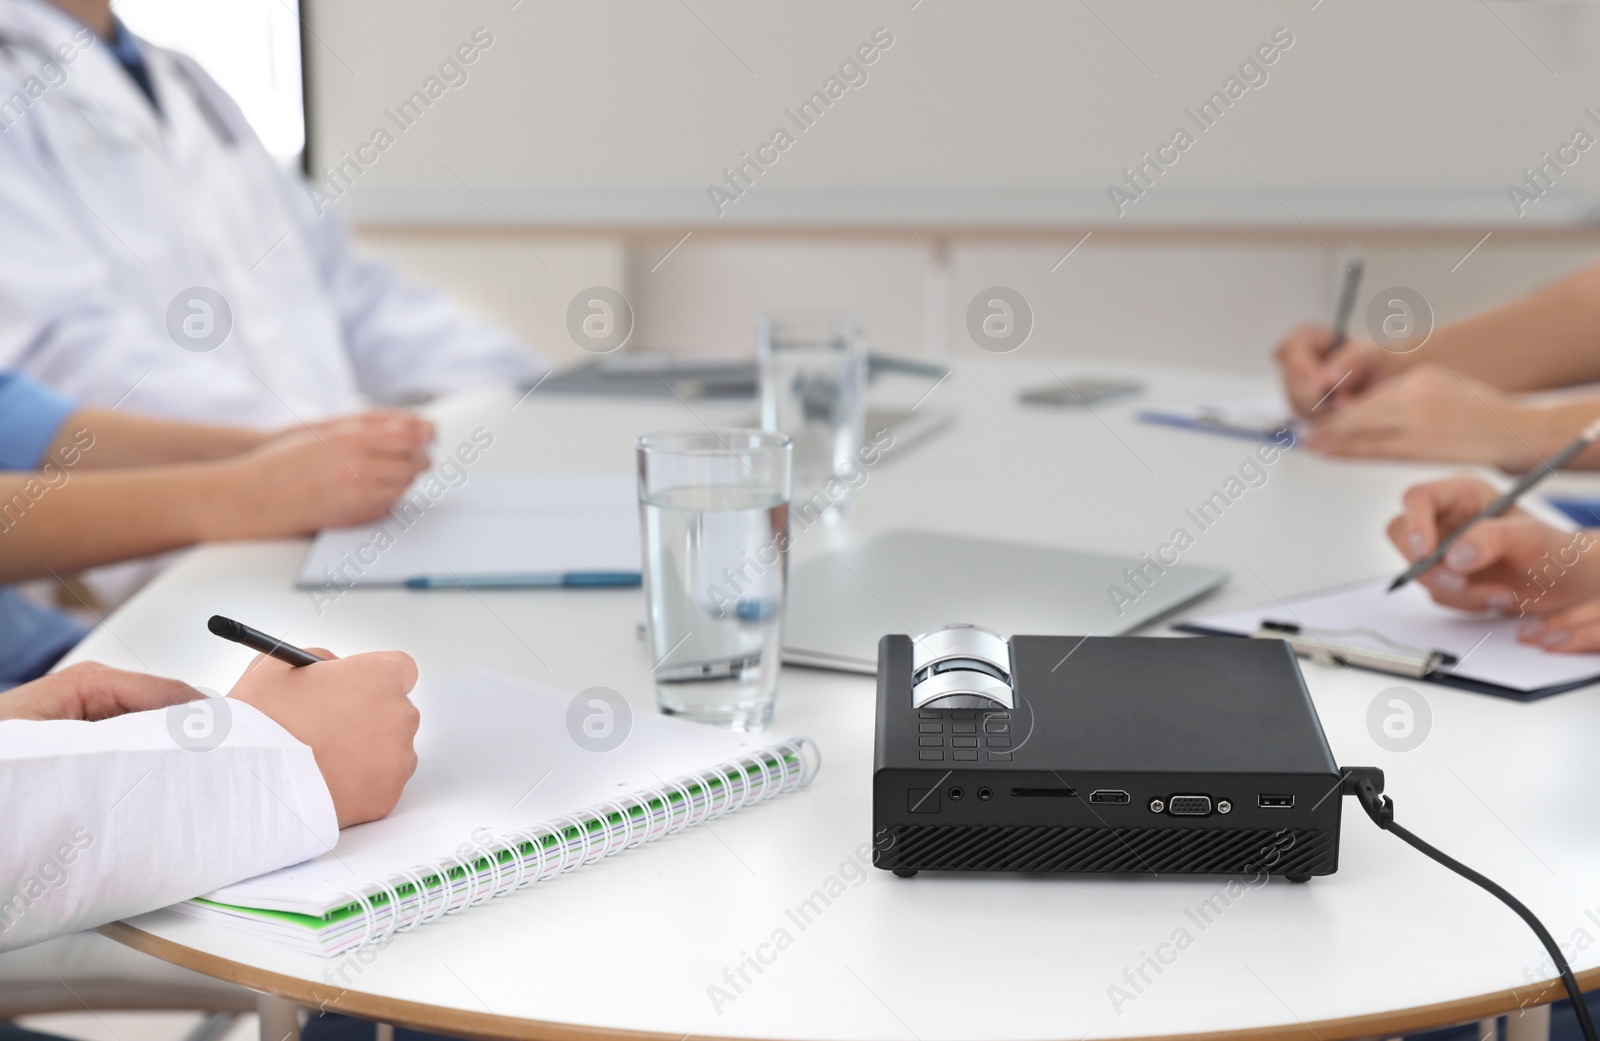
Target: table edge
488 1026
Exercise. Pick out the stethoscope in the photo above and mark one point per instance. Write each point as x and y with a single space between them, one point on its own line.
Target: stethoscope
98 119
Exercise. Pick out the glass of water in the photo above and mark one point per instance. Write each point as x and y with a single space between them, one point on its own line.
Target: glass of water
715 512
814 388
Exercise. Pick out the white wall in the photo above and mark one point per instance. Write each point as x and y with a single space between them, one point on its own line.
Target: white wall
975 155
1008 111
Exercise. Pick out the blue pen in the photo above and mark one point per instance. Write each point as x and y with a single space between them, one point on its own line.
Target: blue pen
569 580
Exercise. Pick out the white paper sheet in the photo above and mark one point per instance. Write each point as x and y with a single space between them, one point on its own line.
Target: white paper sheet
492 525
1366 616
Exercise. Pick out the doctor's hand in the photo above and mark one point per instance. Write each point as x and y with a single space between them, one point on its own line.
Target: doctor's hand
91 691
1513 564
354 714
1430 412
408 430
1318 377
328 475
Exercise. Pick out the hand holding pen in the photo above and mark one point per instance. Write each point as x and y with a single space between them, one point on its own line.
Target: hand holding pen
1321 364
1511 563
352 713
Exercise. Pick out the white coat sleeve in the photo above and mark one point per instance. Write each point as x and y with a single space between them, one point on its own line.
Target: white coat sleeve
409 342
114 818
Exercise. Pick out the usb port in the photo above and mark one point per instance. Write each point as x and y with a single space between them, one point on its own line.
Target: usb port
1111 796
1275 802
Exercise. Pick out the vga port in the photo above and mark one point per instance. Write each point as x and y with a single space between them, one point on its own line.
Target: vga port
1189 805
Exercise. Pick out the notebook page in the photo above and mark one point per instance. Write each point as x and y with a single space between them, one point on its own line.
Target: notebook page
492 524
493 752
1485 644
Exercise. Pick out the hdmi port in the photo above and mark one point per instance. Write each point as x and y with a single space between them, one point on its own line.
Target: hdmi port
1113 796
1275 802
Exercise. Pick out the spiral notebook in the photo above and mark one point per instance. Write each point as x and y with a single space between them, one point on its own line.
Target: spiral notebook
515 784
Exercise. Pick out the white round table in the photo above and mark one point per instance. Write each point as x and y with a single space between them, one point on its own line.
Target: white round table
644 943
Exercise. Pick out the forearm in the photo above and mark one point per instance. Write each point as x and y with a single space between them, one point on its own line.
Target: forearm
1551 426
1550 338
99 439
61 522
116 818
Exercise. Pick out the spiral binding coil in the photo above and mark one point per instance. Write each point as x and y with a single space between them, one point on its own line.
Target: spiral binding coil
402 900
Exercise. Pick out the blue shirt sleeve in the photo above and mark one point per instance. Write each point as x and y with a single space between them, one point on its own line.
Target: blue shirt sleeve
30 416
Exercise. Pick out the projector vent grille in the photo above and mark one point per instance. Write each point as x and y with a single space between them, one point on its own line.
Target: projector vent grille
1118 850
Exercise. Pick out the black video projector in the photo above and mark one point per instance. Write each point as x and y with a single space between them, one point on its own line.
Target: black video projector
1112 755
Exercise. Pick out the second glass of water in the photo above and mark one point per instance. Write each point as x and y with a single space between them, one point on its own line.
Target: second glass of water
715 511
814 388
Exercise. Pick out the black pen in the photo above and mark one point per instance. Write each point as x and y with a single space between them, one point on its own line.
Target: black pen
1590 434
1347 302
257 640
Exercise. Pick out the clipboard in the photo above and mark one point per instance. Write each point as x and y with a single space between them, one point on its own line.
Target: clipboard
1265 417
1407 635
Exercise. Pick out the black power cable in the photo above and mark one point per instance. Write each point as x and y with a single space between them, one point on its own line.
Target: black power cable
1366 786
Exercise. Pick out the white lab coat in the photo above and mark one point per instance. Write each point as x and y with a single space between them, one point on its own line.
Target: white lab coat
110 819
108 211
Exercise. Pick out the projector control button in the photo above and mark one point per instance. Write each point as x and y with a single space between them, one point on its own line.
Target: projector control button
964 742
999 742
931 741
930 753
992 727
996 757
930 728
962 753
963 728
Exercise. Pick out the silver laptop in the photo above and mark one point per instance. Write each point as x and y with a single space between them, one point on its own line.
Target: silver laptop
909 582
